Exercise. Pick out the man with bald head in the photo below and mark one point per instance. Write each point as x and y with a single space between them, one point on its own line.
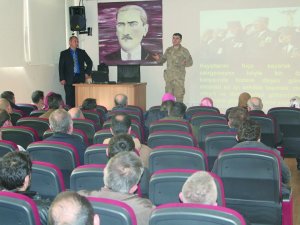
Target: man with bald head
121 101
255 105
70 208
76 113
199 188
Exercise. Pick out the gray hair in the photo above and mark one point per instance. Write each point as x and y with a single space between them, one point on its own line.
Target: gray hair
255 103
295 102
60 121
200 188
66 202
123 171
143 14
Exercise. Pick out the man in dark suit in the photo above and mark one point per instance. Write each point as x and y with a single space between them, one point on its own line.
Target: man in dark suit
72 68
62 125
132 25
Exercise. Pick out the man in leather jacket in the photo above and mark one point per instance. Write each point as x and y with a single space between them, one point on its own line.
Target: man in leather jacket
15 175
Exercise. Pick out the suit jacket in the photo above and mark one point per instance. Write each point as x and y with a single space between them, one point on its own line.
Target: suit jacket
70 139
116 56
141 206
66 65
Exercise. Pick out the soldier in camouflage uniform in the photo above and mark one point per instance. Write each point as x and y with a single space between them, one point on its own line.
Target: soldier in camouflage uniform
177 58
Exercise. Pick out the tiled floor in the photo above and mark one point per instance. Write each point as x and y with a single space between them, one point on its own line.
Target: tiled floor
295 183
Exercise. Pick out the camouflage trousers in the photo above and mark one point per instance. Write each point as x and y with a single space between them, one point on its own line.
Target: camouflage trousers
175 83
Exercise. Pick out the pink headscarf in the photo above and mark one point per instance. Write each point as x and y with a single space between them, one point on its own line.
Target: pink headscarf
208 102
168 97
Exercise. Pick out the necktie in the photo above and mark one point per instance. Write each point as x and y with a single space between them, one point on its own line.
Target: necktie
76 64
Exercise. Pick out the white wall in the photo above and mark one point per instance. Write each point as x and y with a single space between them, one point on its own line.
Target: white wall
178 16
42 38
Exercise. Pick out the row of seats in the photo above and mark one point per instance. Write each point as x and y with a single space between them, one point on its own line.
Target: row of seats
253 190
19 209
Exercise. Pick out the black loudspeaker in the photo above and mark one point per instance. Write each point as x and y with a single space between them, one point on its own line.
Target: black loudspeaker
77 18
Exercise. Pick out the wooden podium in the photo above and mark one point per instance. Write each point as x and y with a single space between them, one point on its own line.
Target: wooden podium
105 93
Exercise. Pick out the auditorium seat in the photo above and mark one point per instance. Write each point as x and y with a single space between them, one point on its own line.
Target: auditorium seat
95 116
7 146
86 126
199 118
18 209
36 123
63 155
252 183
194 214
37 113
161 125
96 154
197 109
15 116
208 127
87 177
215 143
268 128
159 138
113 212
20 135
26 108
288 120
46 179
165 186
76 132
177 156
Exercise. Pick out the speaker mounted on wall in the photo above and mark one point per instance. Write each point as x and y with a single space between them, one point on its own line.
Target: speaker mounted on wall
77 18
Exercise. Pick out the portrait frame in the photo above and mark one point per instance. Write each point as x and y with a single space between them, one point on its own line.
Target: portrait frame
108 40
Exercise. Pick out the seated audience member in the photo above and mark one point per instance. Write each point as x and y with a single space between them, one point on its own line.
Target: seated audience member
121 124
207 102
4 118
120 143
76 113
200 188
255 105
295 102
89 104
62 125
243 99
10 96
4 104
168 101
70 208
248 136
176 112
37 98
121 101
5 122
242 102
121 177
54 102
236 116
46 99
15 175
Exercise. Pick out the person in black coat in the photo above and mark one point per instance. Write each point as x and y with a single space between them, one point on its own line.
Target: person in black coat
15 176
74 67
